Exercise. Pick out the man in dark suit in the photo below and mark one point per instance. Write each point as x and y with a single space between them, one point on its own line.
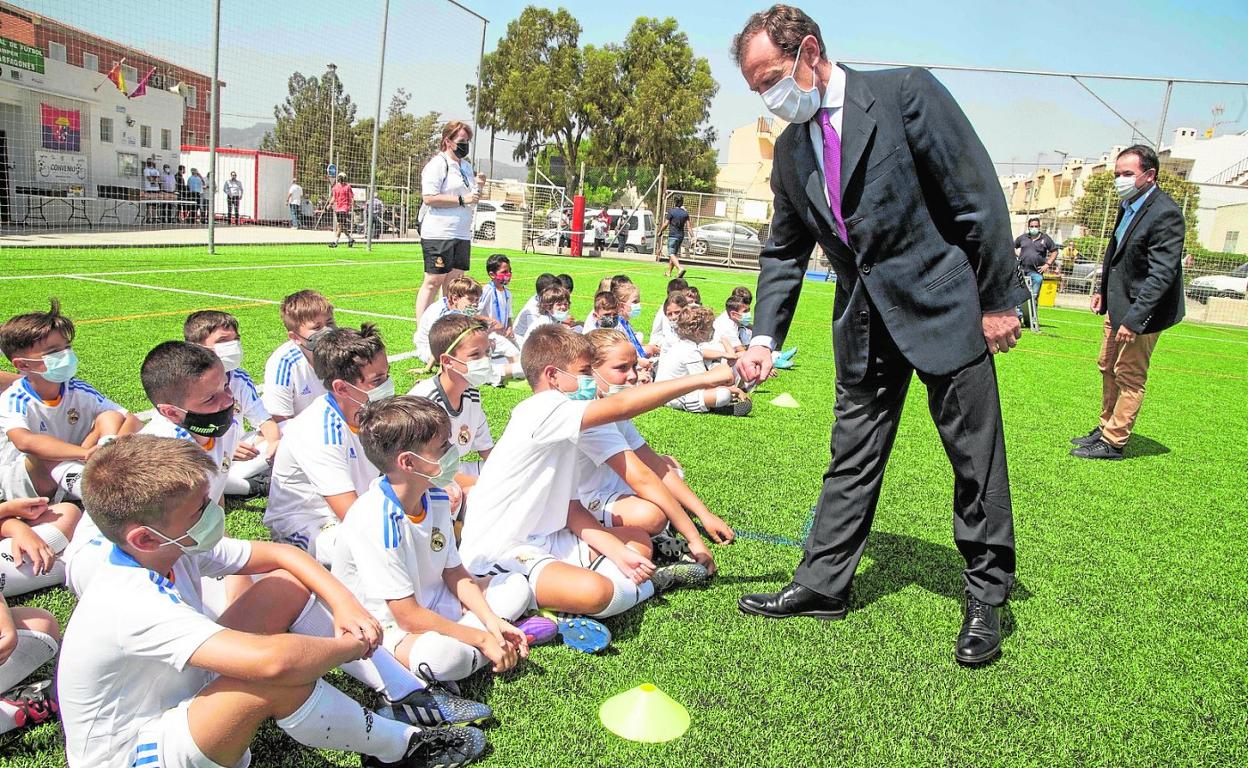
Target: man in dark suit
884 172
1141 295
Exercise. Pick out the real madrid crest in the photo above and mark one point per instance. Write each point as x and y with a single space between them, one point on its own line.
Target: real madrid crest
465 434
594 505
73 416
437 540
225 464
439 262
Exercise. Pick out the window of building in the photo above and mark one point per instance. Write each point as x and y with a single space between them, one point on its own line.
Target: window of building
127 164
166 138
145 136
192 96
91 62
56 51
131 75
106 130
1232 242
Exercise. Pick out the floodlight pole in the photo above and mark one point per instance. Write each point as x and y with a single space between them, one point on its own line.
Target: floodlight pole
372 172
213 119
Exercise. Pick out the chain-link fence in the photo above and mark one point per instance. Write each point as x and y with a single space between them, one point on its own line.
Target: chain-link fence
106 110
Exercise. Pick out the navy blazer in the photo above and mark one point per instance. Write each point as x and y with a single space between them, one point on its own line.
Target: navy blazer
1142 277
930 246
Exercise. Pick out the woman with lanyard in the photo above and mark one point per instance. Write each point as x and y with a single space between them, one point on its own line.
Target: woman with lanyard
450 193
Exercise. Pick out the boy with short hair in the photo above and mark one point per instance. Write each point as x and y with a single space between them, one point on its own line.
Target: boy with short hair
552 307
29 638
253 458
397 552
685 358
148 678
735 327
50 419
529 312
496 298
524 518
290 383
459 345
320 466
606 312
461 295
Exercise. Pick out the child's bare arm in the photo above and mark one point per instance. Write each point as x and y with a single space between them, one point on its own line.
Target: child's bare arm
646 397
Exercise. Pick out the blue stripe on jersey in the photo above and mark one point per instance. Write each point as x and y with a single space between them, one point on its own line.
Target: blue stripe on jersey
180 432
332 427
81 386
19 402
438 493
392 534
147 760
165 586
285 366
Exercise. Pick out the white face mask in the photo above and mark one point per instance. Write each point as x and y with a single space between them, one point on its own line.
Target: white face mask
787 101
1125 186
231 354
380 392
477 372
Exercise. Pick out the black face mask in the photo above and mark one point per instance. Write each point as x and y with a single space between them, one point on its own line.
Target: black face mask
461 150
209 424
608 321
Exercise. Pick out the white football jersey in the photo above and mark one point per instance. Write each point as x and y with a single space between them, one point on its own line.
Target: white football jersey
70 417
469 429
219 449
247 400
290 384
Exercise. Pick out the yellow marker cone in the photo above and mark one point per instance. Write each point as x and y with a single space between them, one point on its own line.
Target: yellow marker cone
785 400
644 713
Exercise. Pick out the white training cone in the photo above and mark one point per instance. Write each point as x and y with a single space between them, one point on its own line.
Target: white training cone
785 400
644 714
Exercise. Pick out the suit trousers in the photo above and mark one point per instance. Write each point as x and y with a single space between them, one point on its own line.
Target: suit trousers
966 409
1124 369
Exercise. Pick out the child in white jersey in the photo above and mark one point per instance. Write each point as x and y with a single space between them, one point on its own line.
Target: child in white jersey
397 552
552 307
461 296
253 458
147 677
685 358
524 518
34 543
320 467
290 383
529 312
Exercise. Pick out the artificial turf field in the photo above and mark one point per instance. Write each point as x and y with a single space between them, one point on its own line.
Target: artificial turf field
1125 635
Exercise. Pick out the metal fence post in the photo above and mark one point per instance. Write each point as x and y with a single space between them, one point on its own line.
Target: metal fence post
214 117
372 173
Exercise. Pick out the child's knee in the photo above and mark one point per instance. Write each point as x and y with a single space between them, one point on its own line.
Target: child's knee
38 620
65 517
446 657
650 518
598 591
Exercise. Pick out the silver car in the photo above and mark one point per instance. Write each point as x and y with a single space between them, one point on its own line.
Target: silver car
723 237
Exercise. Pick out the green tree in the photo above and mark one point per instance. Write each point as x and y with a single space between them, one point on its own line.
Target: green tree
302 129
403 136
1097 208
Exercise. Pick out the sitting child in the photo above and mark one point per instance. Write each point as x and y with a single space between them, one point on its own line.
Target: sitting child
552 307
524 517
684 358
29 638
253 458
31 530
660 327
147 677
530 311
397 552
664 333
623 491
461 296
290 384
320 467
735 327
52 421
606 312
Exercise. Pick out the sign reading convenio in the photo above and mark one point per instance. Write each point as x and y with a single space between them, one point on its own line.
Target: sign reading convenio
21 56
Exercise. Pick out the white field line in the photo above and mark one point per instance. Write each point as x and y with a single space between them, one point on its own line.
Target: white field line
189 270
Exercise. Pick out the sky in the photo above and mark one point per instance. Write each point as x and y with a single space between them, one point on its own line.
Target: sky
432 50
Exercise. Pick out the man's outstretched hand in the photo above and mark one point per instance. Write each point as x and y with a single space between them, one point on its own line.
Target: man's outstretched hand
753 365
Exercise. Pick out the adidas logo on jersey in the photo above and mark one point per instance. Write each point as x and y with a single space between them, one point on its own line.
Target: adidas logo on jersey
306 390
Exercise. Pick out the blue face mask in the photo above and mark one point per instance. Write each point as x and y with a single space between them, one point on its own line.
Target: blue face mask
560 315
635 312
586 387
60 366
746 320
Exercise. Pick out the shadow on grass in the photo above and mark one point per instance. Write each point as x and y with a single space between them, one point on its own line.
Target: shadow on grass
1139 446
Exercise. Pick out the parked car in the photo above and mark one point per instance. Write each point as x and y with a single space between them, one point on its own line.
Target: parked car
1232 286
1083 276
485 220
723 237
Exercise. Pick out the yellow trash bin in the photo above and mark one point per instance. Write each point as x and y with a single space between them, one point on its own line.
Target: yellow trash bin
1048 291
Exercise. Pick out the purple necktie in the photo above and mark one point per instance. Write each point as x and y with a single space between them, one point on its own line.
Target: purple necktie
832 170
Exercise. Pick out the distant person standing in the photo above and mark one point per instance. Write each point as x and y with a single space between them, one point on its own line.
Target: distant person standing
677 217
450 192
343 197
151 176
169 188
179 181
1140 294
195 192
233 197
1036 253
294 199
602 223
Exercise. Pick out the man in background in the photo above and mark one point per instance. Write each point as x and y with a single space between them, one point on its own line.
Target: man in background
1036 252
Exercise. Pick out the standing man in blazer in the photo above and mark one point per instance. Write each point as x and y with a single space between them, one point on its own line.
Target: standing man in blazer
1141 295
884 172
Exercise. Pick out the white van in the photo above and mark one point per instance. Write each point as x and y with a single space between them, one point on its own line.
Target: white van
639 235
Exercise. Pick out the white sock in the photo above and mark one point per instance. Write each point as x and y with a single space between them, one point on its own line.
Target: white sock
627 594
381 672
330 719
508 595
448 658
68 476
18 581
34 649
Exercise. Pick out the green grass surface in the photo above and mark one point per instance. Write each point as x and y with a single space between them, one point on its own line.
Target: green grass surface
1125 635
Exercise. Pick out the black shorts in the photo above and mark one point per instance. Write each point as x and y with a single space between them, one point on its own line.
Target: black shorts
343 218
442 256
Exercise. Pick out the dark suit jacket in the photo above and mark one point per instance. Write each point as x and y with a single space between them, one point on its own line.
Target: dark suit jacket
929 233
1142 277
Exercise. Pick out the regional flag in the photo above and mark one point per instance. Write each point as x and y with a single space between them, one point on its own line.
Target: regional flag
62 129
119 79
141 88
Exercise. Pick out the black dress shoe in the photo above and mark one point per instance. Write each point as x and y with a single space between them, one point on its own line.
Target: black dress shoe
793 600
1098 450
980 639
1087 439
